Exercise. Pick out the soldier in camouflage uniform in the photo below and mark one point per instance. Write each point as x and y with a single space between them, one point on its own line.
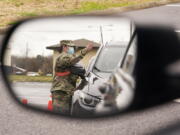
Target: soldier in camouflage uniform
64 82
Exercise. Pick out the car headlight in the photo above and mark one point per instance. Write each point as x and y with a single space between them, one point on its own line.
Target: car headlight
89 100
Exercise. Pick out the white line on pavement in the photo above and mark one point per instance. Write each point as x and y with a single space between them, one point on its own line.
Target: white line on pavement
44 97
173 5
177 100
177 30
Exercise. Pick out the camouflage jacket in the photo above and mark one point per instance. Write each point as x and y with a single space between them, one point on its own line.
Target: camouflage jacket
63 62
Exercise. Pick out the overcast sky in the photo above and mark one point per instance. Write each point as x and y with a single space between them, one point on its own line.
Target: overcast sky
36 35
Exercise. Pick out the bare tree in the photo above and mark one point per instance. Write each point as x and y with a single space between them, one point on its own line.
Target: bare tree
34 64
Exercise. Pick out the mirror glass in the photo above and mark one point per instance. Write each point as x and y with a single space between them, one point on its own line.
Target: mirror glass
80 66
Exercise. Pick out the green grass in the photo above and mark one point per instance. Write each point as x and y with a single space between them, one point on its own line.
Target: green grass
28 14
12 22
23 78
92 6
12 10
88 6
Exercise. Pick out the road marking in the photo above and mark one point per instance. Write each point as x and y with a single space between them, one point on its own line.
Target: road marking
177 30
43 97
173 5
177 100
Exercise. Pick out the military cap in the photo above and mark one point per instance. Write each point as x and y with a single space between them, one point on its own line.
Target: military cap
67 42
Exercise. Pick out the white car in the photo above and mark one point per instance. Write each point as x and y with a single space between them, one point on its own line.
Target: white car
118 91
32 74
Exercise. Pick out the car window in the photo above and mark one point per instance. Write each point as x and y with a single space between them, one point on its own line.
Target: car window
109 58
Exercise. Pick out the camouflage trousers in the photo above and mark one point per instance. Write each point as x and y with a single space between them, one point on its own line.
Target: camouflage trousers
61 102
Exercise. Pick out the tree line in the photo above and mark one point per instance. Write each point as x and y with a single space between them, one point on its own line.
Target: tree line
43 64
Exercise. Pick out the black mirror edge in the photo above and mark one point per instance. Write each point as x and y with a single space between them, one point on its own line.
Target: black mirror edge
153 85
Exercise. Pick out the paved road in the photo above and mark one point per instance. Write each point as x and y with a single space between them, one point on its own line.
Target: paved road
164 15
16 120
36 93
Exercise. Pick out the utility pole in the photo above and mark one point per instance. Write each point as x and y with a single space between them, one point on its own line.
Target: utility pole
26 51
26 56
131 28
101 32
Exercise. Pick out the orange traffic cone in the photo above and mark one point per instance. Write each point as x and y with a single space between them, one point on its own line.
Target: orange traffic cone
24 101
50 107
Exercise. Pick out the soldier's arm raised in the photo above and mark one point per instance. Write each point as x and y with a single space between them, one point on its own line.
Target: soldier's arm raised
83 52
69 60
78 57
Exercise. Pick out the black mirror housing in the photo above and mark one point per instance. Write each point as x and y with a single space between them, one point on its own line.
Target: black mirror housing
158 47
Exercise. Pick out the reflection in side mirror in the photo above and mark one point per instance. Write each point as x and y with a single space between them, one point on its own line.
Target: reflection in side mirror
44 57
43 53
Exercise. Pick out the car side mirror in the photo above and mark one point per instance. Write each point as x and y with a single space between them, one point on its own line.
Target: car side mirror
27 65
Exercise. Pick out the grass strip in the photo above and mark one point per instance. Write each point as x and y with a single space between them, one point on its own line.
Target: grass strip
12 10
24 78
